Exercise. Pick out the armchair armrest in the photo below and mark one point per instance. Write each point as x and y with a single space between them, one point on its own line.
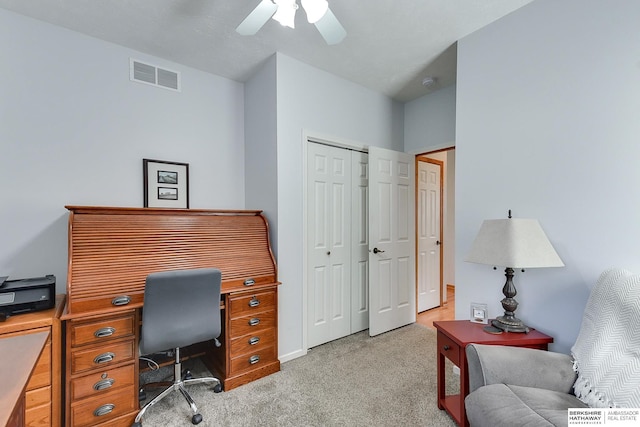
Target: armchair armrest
492 364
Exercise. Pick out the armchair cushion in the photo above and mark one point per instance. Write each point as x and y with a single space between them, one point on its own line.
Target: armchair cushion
501 405
489 364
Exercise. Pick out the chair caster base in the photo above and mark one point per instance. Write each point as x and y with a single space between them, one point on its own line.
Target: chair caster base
217 388
196 419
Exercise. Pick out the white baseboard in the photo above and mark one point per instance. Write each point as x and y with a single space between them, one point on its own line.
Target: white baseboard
293 355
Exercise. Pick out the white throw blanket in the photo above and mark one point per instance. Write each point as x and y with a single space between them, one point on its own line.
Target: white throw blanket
607 351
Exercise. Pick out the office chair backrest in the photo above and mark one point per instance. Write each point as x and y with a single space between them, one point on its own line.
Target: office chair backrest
181 307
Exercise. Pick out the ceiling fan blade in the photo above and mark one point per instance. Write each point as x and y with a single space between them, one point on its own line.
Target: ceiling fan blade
257 18
330 28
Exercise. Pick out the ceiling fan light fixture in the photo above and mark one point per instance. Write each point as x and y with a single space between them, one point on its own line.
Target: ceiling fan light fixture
286 13
315 9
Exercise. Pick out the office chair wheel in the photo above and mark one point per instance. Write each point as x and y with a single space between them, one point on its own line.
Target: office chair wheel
142 396
187 375
217 388
196 419
136 425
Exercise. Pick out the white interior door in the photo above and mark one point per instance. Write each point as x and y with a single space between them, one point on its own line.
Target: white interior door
429 234
392 298
329 243
359 241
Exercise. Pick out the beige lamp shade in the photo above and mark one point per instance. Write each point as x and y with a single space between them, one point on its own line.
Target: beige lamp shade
514 243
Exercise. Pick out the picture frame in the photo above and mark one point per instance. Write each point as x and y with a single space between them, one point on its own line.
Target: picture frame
165 184
478 313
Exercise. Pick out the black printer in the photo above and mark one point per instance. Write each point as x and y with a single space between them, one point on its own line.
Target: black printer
26 295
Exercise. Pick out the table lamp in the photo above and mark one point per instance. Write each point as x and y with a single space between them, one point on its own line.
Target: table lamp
512 243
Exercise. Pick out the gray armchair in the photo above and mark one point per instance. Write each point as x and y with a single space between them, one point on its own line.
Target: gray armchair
517 386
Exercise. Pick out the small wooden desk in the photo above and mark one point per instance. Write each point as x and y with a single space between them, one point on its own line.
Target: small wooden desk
43 404
21 354
453 337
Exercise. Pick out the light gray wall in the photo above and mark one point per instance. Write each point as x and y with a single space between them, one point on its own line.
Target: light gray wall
74 131
261 163
312 100
430 121
547 125
450 230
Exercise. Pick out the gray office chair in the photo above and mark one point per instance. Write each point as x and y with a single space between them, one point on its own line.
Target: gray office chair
181 307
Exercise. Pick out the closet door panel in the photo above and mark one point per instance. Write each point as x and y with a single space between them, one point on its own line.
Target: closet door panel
329 243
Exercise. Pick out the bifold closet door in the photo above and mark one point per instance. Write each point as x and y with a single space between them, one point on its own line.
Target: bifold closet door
329 243
359 241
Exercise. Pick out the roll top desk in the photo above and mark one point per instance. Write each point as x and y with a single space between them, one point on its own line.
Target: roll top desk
111 251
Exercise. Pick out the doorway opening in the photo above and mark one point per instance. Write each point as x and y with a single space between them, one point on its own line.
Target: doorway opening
435 236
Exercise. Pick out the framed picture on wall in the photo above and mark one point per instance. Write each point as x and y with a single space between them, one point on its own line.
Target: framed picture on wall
166 184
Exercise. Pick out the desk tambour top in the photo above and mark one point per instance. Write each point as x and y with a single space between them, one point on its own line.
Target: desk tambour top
113 249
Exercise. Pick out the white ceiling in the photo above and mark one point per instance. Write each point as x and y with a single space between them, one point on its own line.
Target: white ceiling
391 45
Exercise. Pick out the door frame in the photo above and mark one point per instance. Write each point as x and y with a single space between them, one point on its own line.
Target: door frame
422 158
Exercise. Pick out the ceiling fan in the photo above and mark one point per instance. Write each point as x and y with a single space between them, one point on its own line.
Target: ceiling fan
284 11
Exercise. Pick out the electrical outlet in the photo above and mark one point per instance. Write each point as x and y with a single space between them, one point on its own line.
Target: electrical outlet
478 313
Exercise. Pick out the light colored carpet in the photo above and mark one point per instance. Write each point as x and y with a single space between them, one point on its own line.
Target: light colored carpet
387 380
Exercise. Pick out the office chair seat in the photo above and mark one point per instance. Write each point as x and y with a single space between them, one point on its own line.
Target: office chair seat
181 308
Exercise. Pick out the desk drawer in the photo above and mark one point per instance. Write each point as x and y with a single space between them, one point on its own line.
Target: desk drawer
102 381
101 356
41 375
252 323
39 415
93 411
449 348
102 330
253 342
38 397
251 303
253 360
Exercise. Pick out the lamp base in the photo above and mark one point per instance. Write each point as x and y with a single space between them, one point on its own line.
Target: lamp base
510 324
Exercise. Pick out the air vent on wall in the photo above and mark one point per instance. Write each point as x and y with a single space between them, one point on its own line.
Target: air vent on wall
152 75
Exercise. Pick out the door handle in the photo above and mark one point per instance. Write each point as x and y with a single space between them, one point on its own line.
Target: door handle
377 251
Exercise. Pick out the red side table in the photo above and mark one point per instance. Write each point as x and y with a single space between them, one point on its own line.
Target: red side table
453 337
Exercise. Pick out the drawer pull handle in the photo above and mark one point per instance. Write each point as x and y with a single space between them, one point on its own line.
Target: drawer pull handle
254 322
254 340
121 300
249 282
254 359
254 302
104 410
103 384
104 358
104 332
446 348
